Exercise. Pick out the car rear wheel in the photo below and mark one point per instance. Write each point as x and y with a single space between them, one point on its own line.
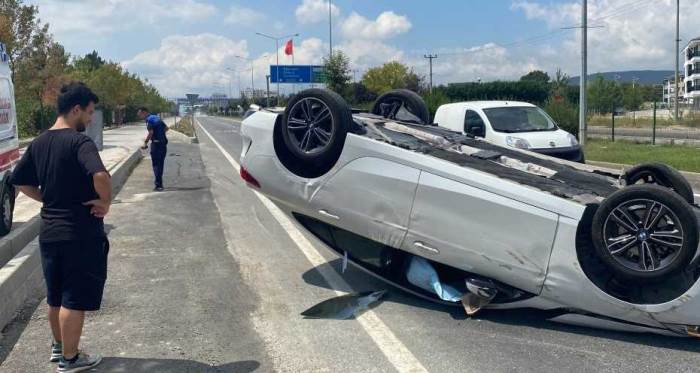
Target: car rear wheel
402 105
312 132
7 202
662 175
645 233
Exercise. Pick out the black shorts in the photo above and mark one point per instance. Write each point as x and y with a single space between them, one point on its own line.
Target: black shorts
75 273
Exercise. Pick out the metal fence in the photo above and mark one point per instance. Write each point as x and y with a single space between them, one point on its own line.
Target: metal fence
655 126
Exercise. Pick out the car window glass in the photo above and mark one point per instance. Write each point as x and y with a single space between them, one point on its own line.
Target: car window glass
519 119
472 119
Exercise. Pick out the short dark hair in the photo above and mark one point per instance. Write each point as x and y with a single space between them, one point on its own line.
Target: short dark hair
75 93
143 108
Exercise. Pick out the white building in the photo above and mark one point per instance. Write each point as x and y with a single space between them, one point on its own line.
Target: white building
670 91
692 72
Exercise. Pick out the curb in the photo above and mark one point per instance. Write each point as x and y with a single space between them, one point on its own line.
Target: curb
22 276
183 137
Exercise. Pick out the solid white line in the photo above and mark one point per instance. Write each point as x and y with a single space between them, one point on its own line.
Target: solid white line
395 351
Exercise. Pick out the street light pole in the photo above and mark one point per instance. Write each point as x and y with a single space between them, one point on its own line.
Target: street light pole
277 51
584 72
330 28
678 39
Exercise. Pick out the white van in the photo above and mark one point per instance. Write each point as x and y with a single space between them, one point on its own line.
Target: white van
510 123
9 143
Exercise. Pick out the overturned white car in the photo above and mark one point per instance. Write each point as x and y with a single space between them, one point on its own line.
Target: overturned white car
500 227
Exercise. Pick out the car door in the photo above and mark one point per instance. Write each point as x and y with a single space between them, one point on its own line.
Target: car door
370 197
481 232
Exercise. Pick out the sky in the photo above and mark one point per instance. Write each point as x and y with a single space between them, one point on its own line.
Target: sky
194 46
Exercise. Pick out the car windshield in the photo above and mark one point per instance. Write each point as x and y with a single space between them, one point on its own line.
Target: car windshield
519 119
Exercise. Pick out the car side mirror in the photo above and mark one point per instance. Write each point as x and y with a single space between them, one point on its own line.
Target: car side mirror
477 130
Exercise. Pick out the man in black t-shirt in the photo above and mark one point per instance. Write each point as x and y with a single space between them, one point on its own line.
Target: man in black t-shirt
62 169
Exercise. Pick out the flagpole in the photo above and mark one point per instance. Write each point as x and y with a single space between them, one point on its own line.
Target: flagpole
294 86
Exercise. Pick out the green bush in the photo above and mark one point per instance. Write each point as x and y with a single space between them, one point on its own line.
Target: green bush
564 113
434 100
528 91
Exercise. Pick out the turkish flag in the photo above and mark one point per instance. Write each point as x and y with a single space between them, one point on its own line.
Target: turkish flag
289 48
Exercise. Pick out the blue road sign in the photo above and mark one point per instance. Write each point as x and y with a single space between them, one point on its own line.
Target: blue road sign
296 74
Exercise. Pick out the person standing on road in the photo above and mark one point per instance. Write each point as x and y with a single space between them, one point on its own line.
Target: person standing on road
159 144
63 170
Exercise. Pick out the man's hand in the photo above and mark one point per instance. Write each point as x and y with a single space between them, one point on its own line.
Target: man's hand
99 208
145 145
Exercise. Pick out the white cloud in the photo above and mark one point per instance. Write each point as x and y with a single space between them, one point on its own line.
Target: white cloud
387 25
314 11
111 16
634 36
243 16
365 54
190 63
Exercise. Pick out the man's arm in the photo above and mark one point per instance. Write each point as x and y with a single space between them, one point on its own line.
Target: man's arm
31 192
103 186
148 138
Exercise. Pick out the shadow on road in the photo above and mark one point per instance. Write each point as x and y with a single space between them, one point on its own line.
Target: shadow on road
133 365
361 281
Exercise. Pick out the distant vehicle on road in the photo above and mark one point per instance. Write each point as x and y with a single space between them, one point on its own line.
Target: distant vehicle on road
9 142
456 219
510 123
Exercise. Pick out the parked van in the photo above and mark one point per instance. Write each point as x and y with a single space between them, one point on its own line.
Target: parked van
509 123
9 143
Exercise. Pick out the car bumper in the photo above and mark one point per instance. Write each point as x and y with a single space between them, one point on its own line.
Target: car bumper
573 153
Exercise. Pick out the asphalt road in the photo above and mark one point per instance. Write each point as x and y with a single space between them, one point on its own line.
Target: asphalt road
275 264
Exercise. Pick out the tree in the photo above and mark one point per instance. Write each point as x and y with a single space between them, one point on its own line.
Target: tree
337 69
392 75
536 76
19 29
603 95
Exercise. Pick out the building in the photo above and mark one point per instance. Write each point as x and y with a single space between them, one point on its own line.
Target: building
215 100
670 91
692 72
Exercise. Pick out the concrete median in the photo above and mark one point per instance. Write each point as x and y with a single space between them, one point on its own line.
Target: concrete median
20 263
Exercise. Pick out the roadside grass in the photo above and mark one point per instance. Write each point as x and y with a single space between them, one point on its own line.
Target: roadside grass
606 121
684 158
185 126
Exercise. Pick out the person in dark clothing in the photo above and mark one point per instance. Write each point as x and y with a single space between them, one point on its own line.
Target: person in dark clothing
62 169
159 144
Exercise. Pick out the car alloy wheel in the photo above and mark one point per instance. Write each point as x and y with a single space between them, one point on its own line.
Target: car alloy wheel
310 125
643 235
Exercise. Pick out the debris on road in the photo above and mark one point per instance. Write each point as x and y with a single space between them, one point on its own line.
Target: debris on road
345 306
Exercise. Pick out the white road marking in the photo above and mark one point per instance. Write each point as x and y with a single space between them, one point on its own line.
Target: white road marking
395 351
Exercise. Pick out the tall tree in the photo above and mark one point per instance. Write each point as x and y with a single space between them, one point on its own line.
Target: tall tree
337 69
536 76
392 75
19 29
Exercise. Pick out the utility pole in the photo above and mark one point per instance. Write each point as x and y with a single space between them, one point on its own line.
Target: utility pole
584 73
330 28
267 79
678 39
430 57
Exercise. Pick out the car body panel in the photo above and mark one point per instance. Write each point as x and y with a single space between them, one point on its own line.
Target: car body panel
378 207
465 225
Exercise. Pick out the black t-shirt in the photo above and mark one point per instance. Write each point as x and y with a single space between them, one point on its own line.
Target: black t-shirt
61 163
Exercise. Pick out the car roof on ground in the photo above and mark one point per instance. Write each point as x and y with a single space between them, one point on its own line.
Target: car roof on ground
488 104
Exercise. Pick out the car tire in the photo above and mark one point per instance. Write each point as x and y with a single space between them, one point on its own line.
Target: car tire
662 175
312 132
645 233
7 205
389 106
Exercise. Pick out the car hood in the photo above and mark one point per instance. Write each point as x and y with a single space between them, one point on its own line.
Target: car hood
545 139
